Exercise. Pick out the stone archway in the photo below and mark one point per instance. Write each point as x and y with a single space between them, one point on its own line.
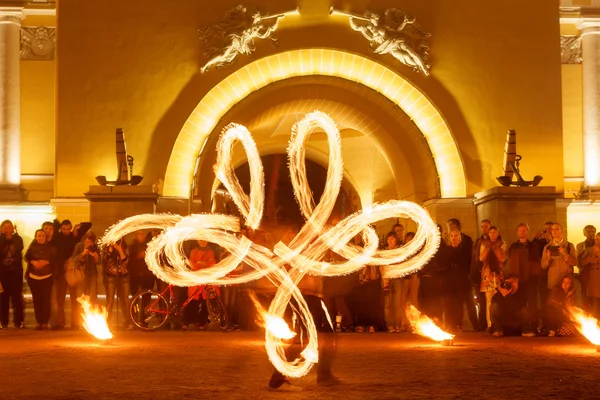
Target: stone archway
358 69
383 153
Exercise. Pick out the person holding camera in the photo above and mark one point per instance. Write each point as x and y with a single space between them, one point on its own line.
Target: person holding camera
115 259
509 308
492 255
559 257
86 256
544 236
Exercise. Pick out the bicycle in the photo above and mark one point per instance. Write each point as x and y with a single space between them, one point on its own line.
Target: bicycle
150 310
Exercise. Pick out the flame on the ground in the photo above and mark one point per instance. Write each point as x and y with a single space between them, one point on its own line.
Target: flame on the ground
94 319
588 326
276 325
424 326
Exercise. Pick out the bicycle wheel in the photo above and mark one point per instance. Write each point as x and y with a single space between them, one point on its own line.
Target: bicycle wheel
216 313
149 310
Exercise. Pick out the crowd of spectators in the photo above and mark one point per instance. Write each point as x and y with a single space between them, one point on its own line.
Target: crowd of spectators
526 287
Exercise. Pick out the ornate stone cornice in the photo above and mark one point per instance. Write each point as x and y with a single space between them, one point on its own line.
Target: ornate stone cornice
38 42
589 25
570 49
11 15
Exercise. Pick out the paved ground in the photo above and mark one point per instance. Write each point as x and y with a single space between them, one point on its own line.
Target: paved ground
214 365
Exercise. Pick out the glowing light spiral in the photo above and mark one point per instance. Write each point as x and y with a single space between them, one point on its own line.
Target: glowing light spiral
303 255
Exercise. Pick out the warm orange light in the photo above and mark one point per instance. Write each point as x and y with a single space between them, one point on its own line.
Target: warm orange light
94 320
588 326
276 325
424 326
326 62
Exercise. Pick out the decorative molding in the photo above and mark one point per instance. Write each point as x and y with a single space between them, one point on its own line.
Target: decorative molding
38 43
397 34
40 11
11 15
234 35
570 49
589 26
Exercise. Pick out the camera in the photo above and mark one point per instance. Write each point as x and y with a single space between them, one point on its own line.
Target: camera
506 285
92 249
554 251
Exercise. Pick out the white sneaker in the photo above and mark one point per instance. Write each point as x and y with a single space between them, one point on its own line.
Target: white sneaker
552 334
528 334
497 334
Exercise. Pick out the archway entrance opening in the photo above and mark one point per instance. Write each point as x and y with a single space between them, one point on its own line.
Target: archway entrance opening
281 212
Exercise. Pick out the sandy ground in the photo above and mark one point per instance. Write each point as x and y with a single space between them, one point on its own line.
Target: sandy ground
215 365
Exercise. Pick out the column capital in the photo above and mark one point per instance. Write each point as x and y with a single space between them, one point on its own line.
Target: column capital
11 15
589 25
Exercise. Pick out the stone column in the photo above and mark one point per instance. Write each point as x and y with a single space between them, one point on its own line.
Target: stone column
10 98
590 47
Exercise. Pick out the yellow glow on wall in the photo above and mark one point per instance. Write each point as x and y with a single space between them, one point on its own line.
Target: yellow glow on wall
27 218
296 63
579 214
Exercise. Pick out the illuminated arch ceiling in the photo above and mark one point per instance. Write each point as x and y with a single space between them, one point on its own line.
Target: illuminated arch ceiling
376 136
264 71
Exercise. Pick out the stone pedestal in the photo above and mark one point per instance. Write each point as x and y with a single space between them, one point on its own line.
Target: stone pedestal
111 204
441 210
507 207
11 194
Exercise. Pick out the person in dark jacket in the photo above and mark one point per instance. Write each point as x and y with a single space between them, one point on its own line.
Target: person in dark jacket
65 238
40 257
86 256
11 275
524 261
140 277
430 288
458 260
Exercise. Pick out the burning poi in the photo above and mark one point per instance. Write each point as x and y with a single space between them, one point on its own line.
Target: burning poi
586 325
424 326
302 254
94 319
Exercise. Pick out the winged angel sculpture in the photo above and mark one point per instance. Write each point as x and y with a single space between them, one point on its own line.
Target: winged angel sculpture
235 34
397 34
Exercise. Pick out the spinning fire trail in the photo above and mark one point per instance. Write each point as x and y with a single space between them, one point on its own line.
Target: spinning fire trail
166 259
